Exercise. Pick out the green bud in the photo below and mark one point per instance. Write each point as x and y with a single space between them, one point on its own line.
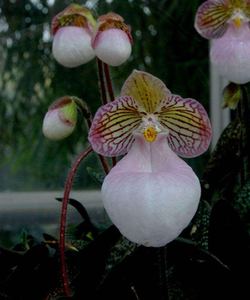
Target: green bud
60 120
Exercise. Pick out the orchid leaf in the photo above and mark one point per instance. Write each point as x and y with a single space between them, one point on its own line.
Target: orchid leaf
231 95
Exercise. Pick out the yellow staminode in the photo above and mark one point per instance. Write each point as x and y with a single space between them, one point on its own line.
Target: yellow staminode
237 22
150 134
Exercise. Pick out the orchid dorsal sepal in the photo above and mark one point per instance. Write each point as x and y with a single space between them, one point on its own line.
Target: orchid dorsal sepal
147 105
72 30
112 40
61 118
74 15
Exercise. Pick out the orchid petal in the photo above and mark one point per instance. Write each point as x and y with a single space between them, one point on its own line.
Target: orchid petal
146 89
112 127
188 124
211 18
151 195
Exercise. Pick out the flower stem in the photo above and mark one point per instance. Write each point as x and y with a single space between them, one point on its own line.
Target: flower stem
88 116
104 163
103 69
109 82
67 189
101 81
111 94
114 161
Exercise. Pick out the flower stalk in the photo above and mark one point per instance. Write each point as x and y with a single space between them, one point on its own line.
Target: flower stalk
101 81
109 82
63 220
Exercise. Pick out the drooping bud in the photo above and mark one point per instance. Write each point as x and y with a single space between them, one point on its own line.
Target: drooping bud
72 30
112 41
60 120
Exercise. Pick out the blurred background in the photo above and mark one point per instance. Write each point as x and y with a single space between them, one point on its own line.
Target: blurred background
165 44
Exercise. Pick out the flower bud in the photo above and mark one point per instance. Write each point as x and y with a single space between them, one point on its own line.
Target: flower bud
112 42
60 120
72 30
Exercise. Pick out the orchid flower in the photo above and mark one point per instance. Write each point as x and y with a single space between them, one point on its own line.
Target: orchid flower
151 195
227 23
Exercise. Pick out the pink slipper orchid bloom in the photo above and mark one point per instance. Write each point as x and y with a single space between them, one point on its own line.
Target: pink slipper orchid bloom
151 195
227 23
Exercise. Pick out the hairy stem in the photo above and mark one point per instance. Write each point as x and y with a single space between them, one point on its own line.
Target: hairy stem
109 82
88 116
67 189
111 94
101 81
103 69
104 163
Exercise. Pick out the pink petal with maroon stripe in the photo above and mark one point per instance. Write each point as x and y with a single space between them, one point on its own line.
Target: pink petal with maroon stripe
113 125
211 18
188 124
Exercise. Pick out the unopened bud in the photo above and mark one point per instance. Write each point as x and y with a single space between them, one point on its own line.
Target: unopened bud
60 120
72 29
112 42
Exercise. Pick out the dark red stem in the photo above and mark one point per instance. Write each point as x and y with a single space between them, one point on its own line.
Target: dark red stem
67 189
111 94
101 81
104 164
109 82
114 161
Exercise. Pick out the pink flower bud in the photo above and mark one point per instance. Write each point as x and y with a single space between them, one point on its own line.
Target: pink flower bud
112 42
72 31
72 46
60 120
